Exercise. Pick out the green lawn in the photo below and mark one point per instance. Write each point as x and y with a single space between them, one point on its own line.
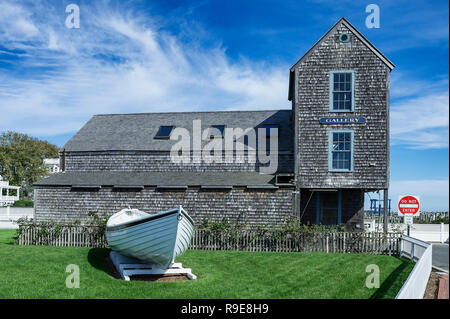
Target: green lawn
39 272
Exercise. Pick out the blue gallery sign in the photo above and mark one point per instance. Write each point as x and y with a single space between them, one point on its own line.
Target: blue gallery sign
342 120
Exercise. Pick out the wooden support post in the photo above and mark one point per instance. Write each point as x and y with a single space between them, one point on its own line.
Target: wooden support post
128 267
386 208
317 208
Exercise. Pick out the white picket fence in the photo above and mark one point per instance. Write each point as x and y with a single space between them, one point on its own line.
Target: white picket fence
421 252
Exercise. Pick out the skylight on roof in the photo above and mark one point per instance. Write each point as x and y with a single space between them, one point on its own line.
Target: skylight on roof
164 132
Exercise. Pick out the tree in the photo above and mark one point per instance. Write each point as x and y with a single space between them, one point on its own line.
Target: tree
22 159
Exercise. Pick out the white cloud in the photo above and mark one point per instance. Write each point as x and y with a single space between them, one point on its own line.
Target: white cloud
120 61
419 113
16 23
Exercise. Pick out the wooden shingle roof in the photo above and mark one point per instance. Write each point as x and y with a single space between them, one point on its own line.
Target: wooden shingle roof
157 179
136 132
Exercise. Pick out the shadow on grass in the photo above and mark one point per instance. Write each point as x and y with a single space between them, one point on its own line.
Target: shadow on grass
386 289
9 237
97 258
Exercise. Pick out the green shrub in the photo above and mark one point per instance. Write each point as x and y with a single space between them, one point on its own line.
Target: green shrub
291 225
47 230
23 203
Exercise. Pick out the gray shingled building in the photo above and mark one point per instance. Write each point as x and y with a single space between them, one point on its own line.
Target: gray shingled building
333 146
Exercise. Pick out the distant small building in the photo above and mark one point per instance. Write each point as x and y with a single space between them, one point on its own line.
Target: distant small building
8 194
52 165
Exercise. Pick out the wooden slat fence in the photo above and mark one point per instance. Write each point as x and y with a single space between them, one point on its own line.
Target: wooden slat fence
333 242
329 242
84 236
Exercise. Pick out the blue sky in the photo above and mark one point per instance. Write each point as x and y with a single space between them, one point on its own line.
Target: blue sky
147 56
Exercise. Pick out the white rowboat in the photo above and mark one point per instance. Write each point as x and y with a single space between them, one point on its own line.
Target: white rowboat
155 238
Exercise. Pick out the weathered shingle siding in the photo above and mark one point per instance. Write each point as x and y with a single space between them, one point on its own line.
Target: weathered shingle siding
371 102
64 204
154 161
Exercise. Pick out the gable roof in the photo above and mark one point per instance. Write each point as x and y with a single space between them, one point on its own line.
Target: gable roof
136 132
357 34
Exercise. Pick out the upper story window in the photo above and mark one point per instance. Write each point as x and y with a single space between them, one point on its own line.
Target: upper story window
340 157
342 91
216 131
164 132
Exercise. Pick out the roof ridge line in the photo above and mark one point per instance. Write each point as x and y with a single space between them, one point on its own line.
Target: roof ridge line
192 112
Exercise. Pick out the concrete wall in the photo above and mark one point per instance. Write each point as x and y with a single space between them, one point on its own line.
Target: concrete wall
6 222
63 203
435 233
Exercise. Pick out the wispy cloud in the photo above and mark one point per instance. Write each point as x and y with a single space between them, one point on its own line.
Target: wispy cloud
124 60
16 23
420 113
121 61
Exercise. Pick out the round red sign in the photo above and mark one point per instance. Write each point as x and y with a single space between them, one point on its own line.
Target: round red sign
408 205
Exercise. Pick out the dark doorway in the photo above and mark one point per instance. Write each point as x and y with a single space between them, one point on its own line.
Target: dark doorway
328 208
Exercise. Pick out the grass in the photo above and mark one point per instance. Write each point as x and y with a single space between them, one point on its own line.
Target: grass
39 272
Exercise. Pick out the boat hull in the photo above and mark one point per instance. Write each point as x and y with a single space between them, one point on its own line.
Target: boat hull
157 239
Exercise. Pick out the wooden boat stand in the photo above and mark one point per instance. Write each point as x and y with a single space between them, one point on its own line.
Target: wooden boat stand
127 267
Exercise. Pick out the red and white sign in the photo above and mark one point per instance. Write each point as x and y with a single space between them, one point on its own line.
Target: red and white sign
409 205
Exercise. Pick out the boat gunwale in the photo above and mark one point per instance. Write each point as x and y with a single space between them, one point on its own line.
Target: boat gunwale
139 221
151 217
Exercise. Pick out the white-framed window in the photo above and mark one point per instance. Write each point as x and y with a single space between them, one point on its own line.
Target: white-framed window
340 150
342 91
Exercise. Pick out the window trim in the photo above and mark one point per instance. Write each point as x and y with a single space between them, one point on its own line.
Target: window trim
331 84
330 151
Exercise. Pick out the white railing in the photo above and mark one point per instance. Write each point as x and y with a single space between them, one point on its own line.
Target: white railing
421 252
5 197
8 200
